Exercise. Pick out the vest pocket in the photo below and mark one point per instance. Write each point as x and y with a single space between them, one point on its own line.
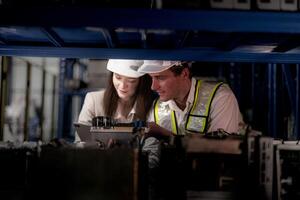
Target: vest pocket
196 123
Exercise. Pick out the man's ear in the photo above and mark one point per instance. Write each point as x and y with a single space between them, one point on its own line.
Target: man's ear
185 73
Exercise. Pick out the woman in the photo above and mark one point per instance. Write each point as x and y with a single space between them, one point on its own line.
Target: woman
128 95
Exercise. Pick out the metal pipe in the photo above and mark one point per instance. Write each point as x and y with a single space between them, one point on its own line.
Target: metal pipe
42 103
60 119
297 107
272 96
289 84
3 92
253 87
28 83
53 105
292 93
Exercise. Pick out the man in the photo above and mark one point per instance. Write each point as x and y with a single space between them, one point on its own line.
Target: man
187 105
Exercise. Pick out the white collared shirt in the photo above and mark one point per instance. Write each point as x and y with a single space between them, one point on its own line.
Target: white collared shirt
93 106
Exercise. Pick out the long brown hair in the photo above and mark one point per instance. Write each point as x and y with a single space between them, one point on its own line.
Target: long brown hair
143 97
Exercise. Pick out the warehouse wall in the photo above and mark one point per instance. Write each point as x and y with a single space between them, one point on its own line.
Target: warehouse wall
15 110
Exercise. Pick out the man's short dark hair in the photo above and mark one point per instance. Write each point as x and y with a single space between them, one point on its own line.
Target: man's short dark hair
177 69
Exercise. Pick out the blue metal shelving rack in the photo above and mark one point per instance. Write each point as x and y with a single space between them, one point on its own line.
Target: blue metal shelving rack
122 33
200 35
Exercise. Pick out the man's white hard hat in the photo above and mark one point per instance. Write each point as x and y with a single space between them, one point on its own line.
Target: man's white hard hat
125 67
156 66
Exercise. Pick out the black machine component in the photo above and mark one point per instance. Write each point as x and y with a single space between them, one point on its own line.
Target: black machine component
107 131
191 167
197 167
16 167
288 170
231 167
104 122
60 170
89 173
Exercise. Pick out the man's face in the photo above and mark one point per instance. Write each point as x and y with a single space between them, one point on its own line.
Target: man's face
166 84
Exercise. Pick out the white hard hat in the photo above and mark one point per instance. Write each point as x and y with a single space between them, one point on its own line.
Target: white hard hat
125 67
156 66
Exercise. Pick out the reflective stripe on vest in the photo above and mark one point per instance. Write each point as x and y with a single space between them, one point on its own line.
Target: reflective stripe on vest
161 114
198 114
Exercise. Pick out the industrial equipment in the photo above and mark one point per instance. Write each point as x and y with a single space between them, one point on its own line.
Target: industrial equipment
288 170
209 166
64 170
105 131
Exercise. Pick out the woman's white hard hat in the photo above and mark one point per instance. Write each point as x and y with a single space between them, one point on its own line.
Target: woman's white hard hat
156 66
125 67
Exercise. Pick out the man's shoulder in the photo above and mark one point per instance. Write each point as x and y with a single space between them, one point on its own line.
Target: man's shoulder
224 93
224 89
220 89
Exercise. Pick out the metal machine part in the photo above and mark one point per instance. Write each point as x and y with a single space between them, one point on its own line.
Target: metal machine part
227 166
108 132
89 174
60 170
192 167
288 170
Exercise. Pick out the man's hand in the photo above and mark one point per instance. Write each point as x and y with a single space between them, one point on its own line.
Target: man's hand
155 130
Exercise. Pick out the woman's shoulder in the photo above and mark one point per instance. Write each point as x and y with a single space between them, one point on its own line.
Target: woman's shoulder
95 94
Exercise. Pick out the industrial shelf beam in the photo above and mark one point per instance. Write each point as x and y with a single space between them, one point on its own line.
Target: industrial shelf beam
108 35
53 37
195 54
2 41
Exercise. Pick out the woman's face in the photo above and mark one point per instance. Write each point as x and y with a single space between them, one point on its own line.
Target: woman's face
125 86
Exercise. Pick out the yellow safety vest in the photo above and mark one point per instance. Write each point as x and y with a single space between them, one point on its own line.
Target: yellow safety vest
196 120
